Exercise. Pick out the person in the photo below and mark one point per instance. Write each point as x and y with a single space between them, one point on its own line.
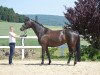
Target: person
12 42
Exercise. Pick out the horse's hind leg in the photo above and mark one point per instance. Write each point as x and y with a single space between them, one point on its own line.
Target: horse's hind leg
70 55
48 55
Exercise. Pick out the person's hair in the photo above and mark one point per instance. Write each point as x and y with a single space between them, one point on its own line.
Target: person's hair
11 27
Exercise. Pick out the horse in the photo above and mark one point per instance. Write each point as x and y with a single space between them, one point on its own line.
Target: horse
53 38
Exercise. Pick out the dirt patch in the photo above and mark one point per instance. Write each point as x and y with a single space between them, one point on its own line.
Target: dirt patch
33 67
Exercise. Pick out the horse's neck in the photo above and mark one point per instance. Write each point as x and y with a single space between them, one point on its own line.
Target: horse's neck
39 30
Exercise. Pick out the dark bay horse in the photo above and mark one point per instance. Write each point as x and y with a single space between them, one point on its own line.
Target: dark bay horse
53 38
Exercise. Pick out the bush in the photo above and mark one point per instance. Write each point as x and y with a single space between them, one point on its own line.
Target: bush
90 53
52 51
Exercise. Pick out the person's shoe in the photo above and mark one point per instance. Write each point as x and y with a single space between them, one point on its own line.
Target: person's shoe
11 64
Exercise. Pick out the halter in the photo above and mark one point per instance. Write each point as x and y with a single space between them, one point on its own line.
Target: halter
25 34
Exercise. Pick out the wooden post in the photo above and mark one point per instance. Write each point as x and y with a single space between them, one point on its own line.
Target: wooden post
22 41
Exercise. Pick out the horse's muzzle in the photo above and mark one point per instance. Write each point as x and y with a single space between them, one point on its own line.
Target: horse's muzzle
22 29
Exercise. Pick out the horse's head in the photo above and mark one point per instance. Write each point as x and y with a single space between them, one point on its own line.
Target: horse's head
27 24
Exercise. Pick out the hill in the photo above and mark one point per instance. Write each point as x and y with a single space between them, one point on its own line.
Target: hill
51 20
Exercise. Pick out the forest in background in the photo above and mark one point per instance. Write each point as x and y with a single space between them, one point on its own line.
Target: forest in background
9 15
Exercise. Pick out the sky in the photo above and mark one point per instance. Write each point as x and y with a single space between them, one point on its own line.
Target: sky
47 7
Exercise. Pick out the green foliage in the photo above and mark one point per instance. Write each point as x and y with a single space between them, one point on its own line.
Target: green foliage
90 53
52 51
55 53
8 14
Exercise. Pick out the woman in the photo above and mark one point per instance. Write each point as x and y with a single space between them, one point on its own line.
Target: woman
12 42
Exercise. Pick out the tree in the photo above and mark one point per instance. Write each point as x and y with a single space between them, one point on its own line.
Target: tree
8 14
85 17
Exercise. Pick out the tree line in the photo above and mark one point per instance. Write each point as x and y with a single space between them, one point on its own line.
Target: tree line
8 14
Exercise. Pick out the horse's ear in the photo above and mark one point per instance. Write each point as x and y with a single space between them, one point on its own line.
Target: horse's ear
27 19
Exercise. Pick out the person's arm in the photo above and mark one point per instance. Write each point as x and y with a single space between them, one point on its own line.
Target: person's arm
13 35
17 36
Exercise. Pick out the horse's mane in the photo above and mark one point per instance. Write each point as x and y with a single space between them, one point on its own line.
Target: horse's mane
27 19
37 23
46 29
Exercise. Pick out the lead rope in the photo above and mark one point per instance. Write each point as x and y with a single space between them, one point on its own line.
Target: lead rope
25 33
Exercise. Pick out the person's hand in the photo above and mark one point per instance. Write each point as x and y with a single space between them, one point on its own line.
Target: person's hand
23 35
17 36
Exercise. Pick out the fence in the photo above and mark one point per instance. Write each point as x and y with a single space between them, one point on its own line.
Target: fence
22 44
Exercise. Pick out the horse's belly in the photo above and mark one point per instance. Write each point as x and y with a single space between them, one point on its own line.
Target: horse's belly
55 44
53 41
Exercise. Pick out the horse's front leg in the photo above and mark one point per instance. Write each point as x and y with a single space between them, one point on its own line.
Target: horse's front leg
43 52
75 58
47 52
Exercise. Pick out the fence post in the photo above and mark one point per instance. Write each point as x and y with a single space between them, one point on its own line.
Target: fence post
22 41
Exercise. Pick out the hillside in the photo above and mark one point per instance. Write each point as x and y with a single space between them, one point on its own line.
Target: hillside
50 19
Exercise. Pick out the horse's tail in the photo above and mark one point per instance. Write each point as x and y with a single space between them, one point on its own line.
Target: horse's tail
78 49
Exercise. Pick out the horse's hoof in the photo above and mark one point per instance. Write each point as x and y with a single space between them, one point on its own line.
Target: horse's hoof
42 63
49 63
68 64
75 63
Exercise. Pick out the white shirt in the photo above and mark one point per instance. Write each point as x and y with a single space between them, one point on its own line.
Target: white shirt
12 39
